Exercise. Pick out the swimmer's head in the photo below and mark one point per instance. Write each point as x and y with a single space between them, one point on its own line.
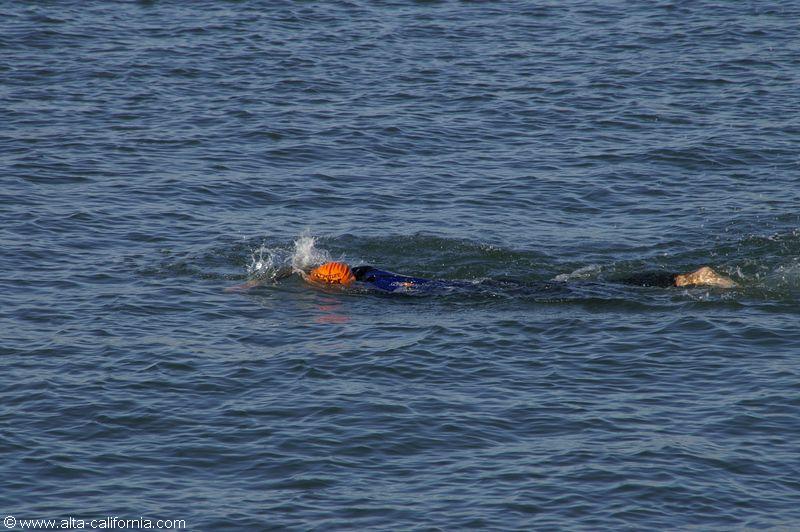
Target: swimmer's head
704 276
333 273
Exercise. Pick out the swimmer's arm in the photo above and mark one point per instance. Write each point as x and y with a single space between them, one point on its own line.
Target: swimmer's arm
255 283
244 287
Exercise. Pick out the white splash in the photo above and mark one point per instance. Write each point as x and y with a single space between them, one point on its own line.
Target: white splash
587 272
272 263
306 255
265 263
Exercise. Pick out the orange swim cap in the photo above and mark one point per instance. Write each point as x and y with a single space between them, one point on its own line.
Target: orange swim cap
333 273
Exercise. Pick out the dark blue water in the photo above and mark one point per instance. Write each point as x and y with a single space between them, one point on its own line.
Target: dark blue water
154 153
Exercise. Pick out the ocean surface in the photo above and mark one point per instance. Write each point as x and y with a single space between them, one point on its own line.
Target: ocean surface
153 154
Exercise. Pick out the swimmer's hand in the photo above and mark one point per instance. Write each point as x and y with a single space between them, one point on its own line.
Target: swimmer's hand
704 276
244 287
254 283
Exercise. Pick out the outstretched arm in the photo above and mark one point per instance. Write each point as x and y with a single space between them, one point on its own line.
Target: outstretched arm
253 283
244 287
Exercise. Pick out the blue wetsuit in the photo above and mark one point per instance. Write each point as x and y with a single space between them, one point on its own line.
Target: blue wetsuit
391 282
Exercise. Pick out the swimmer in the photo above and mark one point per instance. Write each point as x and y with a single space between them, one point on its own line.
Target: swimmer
341 274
